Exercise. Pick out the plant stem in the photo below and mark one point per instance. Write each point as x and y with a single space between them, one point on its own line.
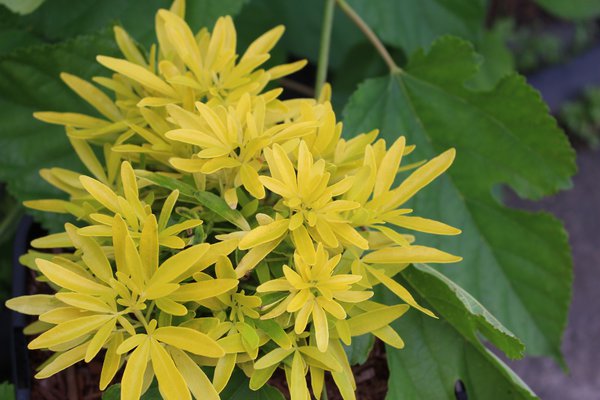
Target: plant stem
325 45
362 25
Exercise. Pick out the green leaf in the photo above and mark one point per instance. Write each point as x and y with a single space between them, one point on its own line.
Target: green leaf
22 6
7 391
302 21
517 264
237 389
461 310
114 392
217 205
209 200
414 24
572 9
439 353
360 348
29 81
61 19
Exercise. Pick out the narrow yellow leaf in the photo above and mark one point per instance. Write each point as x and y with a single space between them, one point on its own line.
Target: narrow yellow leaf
70 280
422 177
170 382
189 340
298 388
134 372
324 358
112 361
35 304
372 320
53 241
67 331
99 339
171 307
138 74
223 371
409 254
197 381
398 290
63 361
274 357
264 234
424 225
179 264
203 290
94 96
102 193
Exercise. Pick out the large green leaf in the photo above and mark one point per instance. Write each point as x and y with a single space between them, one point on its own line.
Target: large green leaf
572 9
61 19
517 264
414 24
29 81
439 353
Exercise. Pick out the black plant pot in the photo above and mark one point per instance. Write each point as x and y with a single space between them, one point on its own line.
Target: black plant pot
21 373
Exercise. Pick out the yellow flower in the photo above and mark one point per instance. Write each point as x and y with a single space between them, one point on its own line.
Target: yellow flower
92 299
230 143
380 203
315 291
310 212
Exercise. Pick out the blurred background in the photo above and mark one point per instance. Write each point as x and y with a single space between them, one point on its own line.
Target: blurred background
554 43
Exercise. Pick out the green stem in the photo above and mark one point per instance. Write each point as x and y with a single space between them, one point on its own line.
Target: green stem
362 25
325 45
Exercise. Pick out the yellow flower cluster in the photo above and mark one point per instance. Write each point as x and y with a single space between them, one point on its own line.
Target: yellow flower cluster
222 227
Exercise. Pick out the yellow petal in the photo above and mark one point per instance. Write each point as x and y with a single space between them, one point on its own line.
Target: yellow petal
264 234
67 331
298 388
134 372
99 339
53 241
102 193
62 361
203 290
128 46
223 371
251 181
94 96
372 320
138 74
179 264
112 361
386 173
197 381
89 159
398 290
326 359
70 280
93 255
273 358
170 382
409 254
171 307
321 327
189 340
424 225
34 304
422 177
254 256
286 69
304 244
